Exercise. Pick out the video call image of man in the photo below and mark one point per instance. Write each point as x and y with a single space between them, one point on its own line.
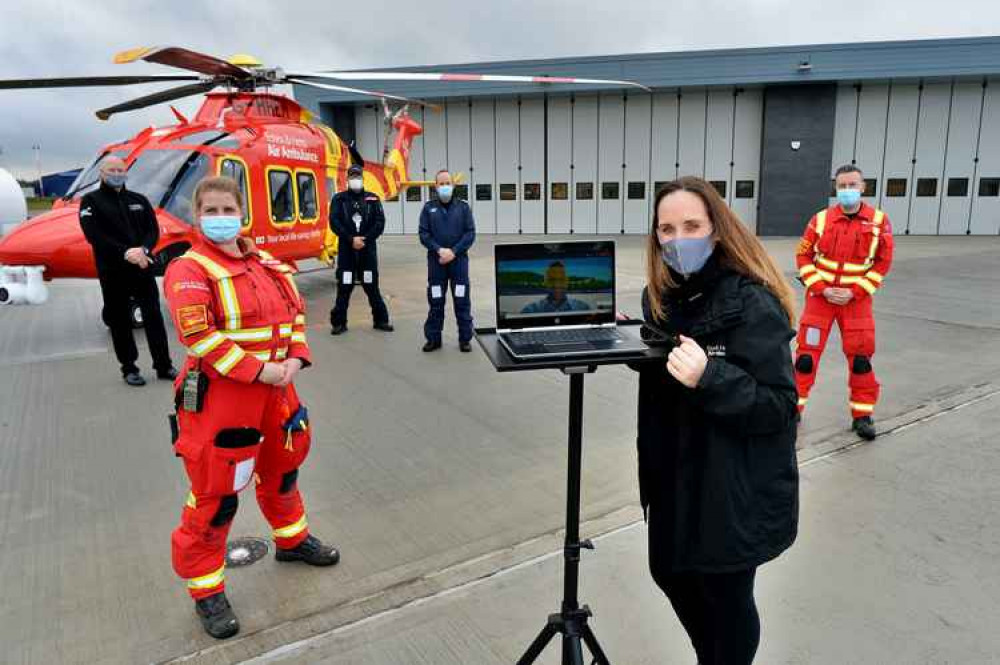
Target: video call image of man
121 227
557 281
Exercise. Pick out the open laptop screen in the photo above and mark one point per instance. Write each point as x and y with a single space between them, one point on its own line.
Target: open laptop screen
555 284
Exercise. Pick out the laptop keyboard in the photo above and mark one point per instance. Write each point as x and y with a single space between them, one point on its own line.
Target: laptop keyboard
565 336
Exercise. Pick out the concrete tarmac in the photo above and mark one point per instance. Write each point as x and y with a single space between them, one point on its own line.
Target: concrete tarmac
432 472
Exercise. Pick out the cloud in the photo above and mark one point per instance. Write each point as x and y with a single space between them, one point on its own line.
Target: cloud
55 38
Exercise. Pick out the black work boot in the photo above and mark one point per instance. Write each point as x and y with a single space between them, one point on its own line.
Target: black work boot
431 346
864 427
217 616
311 551
384 326
338 329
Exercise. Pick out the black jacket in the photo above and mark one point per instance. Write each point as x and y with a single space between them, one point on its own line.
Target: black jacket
447 225
114 221
717 462
342 210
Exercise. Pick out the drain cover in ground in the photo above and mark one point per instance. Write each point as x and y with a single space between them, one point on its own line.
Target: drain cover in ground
245 551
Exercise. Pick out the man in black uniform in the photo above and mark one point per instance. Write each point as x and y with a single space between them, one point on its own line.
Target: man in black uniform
357 218
121 227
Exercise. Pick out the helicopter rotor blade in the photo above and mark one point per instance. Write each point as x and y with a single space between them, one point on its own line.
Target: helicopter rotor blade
183 58
465 78
92 81
158 98
359 91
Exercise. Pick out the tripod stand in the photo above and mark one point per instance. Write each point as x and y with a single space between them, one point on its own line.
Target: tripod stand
571 621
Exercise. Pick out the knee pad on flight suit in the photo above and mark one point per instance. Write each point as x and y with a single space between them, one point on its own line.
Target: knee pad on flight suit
227 510
288 481
861 365
804 364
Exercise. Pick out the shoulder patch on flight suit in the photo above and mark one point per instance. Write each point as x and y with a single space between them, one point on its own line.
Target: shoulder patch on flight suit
804 246
192 319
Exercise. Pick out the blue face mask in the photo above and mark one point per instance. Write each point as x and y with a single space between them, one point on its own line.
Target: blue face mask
221 228
116 180
687 255
444 192
848 198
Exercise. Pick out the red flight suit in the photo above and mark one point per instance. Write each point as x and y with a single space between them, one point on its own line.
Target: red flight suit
232 315
842 251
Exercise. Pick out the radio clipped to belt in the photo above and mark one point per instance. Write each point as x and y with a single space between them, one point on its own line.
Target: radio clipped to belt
191 395
297 422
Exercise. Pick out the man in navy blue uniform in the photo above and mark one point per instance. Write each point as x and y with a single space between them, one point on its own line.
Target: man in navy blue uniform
447 230
357 218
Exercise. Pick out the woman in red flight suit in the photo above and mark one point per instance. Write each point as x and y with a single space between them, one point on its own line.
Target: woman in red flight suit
843 257
239 315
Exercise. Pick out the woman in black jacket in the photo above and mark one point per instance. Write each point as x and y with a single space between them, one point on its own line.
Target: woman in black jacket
718 478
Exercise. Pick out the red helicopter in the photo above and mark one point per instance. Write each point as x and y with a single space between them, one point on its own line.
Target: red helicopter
288 164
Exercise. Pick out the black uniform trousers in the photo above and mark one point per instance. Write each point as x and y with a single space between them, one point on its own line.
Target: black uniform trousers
717 610
118 289
362 267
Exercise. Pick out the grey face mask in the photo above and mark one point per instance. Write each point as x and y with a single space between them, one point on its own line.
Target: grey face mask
115 180
687 255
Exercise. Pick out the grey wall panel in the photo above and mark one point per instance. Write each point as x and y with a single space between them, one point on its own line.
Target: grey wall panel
532 123
366 131
508 158
746 155
795 183
691 146
845 129
963 133
869 152
986 209
483 150
585 163
664 140
719 139
459 144
899 146
932 130
560 146
638 119
411 209
611 155
435 141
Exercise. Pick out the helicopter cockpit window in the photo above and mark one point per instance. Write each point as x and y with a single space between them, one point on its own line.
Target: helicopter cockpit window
279 186
90 177
180 198
200 138
306 182
234 169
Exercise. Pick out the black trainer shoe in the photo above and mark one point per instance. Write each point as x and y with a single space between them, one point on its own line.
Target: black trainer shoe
134 379
168 374
311 551
465 347
384 327
338 329
864 427
431 346
217 616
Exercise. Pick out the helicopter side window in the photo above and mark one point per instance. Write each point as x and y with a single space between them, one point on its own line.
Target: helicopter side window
236 169
282 196
305 181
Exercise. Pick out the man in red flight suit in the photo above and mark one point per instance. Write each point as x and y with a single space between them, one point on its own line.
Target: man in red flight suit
843 257
240 316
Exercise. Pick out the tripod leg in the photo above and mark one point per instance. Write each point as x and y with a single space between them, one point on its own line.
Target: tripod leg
538 646
572 650
594 646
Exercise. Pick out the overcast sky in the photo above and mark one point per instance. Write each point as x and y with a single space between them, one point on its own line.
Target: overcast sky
43 38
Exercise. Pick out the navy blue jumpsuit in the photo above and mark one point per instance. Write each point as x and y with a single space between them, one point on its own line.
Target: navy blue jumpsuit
448 225
357 214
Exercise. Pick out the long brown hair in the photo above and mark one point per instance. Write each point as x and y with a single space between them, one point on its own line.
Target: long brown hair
738 249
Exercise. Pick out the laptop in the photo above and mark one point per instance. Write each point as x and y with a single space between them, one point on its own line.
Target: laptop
558 299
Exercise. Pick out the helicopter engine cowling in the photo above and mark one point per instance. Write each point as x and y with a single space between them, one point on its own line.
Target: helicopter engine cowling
22 285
